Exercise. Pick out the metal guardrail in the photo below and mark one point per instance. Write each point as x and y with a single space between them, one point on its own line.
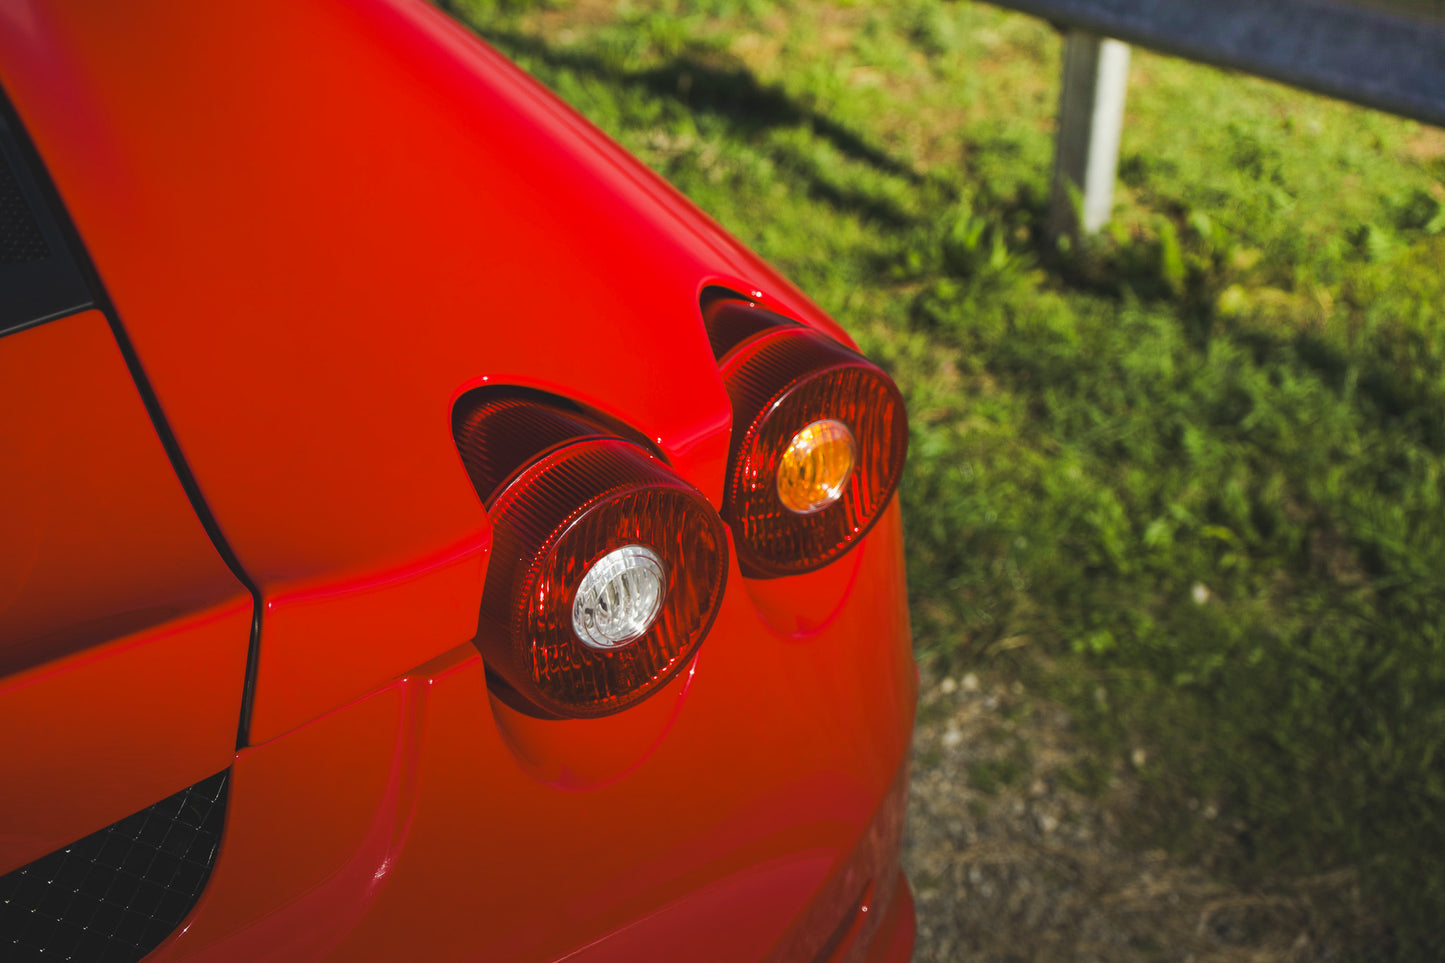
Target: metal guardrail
1390 57
1385 54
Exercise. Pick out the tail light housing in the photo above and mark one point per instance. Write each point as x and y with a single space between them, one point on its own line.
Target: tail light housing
819 439
606 571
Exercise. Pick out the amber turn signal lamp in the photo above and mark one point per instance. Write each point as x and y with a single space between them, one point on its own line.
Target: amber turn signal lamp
819 440
816 466
606 570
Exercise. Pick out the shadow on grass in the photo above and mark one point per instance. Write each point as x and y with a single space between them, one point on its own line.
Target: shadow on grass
706 84
733 95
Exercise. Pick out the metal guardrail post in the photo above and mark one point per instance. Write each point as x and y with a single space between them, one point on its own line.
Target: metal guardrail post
1091 119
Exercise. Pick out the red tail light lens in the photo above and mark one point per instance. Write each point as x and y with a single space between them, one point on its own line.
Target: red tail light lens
606 572
819 440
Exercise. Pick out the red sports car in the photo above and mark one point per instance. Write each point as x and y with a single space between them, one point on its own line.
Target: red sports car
425 535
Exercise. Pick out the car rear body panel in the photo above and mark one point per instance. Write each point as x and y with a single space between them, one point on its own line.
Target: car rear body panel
419 823
258 182
317 225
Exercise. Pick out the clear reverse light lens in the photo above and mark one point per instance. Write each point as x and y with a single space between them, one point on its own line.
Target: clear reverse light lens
619 598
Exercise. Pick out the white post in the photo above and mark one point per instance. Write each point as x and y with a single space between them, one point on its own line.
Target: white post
1091 117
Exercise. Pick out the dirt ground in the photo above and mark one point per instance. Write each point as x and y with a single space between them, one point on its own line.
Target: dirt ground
1018 850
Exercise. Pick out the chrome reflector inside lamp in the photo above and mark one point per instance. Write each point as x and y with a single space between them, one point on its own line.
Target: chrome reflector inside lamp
619 598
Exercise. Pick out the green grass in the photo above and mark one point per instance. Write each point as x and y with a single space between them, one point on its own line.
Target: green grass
1189 476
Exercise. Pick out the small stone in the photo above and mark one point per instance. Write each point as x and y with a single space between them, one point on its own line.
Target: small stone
970 683
1200 593
1047 823
1138 757
952 738
948 686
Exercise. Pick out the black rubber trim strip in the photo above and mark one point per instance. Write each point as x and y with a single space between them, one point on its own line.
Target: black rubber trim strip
73 240
198 504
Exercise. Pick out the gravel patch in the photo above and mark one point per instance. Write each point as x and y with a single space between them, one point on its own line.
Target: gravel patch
1018 850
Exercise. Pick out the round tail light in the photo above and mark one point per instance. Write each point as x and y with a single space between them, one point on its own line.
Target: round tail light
819 440
606 571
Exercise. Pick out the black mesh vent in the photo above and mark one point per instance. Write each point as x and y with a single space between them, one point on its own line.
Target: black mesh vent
20 237
115 895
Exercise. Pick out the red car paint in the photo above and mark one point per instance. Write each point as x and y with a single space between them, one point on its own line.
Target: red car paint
318 224
118 617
